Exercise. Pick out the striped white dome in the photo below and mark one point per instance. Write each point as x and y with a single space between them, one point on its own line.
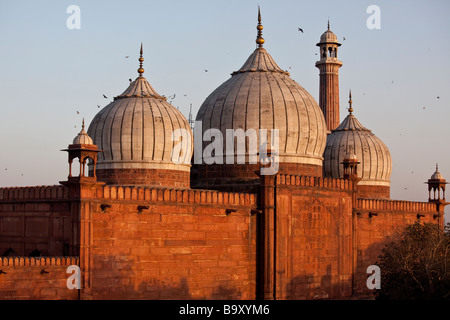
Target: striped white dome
351 136
261 95
135 131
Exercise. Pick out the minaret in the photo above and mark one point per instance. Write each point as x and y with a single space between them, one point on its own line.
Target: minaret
329 78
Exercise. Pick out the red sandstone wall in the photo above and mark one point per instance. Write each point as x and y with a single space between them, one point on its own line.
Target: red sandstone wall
375 221
21 278
314 238
184 246
36 218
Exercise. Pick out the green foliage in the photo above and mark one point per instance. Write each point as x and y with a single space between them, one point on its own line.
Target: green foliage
416 264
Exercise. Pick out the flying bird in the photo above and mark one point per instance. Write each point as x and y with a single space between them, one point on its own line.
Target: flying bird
300 29
127 57
105 97
206 70
130 80
343 38
78 112
98 106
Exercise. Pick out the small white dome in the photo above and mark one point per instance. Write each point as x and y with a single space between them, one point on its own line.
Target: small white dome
328 37
437 175
82 137
350 156
375 159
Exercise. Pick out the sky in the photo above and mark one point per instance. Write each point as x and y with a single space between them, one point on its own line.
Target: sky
51 76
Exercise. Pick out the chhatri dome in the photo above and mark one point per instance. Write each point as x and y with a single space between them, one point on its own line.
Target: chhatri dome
135 134
260 95
375 165
437 175
82 137
329 37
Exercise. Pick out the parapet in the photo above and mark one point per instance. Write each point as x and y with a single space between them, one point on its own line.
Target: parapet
154 194
318 182
394 205
34 193
38 261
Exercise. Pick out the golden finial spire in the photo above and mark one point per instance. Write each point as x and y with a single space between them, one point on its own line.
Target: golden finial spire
259 39
350 108
141 59
82 125
328 23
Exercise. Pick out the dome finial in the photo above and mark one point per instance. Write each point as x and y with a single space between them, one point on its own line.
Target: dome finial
328 23
141 59
350 108
259 39
82 125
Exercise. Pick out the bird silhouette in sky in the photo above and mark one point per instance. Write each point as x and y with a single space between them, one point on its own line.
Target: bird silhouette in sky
105 97
343 39
127 57
300 29
78 112
206 70
98 106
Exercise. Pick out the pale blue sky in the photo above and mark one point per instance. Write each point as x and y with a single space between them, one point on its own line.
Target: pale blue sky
48 72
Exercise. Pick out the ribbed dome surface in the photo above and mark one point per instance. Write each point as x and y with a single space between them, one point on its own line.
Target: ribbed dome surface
135 131
351 136
328 37
437 175
82 138
261 95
